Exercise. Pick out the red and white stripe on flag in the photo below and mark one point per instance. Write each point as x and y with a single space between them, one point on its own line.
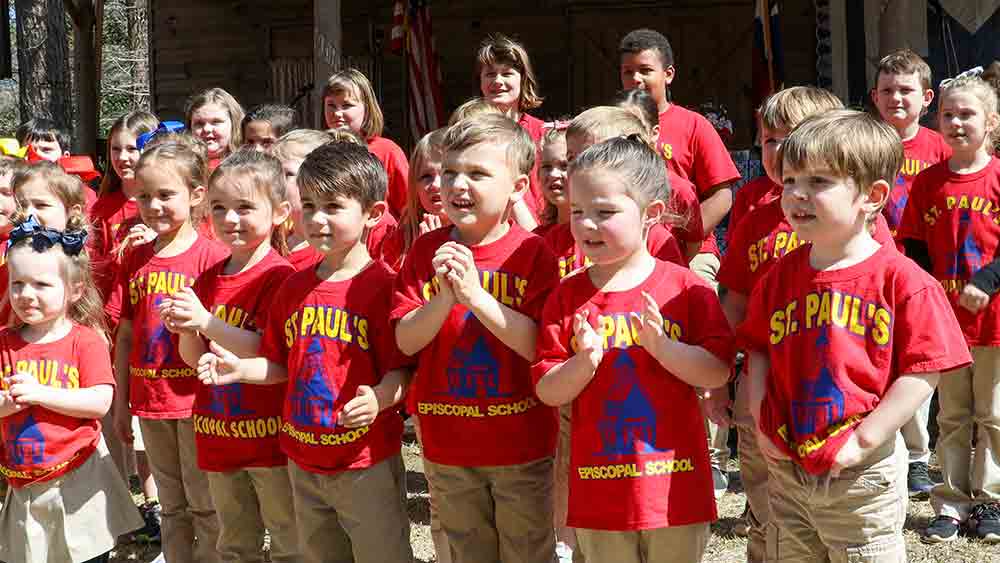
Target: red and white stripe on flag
426 103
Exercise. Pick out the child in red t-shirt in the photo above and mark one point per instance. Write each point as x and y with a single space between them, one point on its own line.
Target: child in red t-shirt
67 500
466 302
758 240
949 226
640 480
264 125
846 339
154 383
349 102
214 116
689 143
328 335
236 426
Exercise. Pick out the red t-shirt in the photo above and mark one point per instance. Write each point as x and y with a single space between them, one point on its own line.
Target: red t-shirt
236 425
334 336
684 202
472 394
161 384
957 215
6 312
559 238
755 193
108 215
396 167
381 231
925 149
763 237
304 258
40 444
837 340
639 456
391 252
533 126
694 150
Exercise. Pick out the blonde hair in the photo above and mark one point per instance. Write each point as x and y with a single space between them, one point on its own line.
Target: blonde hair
264 174
641 168
224 99
136 123
500 49
789 107
905 61
299 143
430 147
471 108
186 155
850 144
493 129
984 91
603 122
354 84
88 308
346 136
66 187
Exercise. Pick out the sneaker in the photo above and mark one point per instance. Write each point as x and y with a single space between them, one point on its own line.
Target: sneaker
564 553
150 532
720 482
918 480
742 527
987 522
941 529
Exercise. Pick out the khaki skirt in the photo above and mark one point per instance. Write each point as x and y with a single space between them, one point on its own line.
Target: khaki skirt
71 519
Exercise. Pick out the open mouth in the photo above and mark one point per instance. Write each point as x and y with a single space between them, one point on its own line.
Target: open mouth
802 216
463 204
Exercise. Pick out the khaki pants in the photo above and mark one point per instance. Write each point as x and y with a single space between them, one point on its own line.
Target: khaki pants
249 501
190 528
676 544
857 517
560 490
441 550
916 435
753 472
496 514
354 516
969 396
706 266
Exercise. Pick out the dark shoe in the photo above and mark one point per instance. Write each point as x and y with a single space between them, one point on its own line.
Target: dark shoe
742 527
919 480
986 518
149 533
720 482
942 529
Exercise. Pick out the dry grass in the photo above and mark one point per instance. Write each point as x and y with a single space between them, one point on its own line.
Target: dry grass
724 547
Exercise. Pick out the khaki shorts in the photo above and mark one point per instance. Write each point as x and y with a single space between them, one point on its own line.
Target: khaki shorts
676 544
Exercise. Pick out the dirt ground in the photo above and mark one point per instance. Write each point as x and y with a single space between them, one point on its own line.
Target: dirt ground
724 547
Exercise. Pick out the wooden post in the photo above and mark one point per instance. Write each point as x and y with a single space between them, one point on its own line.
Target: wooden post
327 57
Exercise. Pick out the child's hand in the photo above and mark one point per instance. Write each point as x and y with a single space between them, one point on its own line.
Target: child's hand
429 223
218 367
716 405
588 344
650 322
138 235
121 419
462 273
850 454
361 410
187 313
26 390
973 299
441 269
768 448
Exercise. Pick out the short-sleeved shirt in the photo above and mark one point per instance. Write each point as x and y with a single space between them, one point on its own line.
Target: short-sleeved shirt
40 444
838 339
471 392
161 384
236 425
924 150
639 456
333 337
755 193
957 215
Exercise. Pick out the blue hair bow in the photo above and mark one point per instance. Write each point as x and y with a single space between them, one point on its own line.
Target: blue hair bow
44 238
165 127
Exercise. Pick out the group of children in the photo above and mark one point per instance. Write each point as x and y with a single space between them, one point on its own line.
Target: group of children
254 306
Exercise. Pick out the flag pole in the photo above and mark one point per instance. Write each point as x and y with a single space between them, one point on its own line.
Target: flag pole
768 45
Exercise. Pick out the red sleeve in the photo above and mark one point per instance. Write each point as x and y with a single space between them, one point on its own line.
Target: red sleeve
709 328
734 269
752 333
664 246
926 335
912 224
554 334
273 345
407 293
269 294
712 163
685 203
118 305
95 360
376 238
388 356
544 277
398 170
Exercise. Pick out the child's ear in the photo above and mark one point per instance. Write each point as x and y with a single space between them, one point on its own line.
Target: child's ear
76 292
992 122
75 209
928 98
877 196
521 185
282 212
197 196
653 213
378 209
668 74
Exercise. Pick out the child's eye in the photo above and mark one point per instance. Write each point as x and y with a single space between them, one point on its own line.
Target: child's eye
218 209
546 168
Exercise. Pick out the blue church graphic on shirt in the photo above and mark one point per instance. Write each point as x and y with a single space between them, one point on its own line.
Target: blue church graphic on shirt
473 370
313 396
968 258
897 204
227 400
628 425
159 345
26 444
825 405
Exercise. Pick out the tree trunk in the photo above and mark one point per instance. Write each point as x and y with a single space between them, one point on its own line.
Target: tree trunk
138 46
43 66
82 14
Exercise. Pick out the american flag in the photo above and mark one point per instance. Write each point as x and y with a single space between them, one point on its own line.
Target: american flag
413 36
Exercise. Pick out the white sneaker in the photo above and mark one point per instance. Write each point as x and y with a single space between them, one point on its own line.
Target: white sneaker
563 553
720 482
